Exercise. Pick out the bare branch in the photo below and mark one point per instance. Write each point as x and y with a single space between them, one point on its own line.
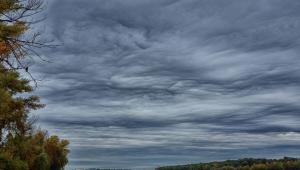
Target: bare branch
20 48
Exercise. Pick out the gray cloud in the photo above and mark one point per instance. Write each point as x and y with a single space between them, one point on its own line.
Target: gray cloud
137 83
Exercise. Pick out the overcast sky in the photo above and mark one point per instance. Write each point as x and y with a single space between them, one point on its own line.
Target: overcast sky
145 83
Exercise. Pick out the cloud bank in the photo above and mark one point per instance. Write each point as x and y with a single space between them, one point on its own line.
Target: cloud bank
143 83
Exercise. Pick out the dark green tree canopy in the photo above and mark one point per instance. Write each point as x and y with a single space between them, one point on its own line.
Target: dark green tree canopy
14 109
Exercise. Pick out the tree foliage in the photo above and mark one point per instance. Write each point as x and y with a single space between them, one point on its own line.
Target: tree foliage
35 151
21 146
242 164
14 110
15 19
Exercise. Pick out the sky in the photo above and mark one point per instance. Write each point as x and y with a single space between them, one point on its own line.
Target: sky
145 83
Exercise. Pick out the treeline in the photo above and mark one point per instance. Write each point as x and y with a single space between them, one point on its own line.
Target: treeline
22 146
242 164
105 169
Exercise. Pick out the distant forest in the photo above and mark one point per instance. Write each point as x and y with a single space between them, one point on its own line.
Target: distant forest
286 163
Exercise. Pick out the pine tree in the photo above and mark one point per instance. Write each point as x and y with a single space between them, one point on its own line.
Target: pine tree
21 146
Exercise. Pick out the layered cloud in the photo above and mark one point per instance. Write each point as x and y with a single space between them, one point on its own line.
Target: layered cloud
142 83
